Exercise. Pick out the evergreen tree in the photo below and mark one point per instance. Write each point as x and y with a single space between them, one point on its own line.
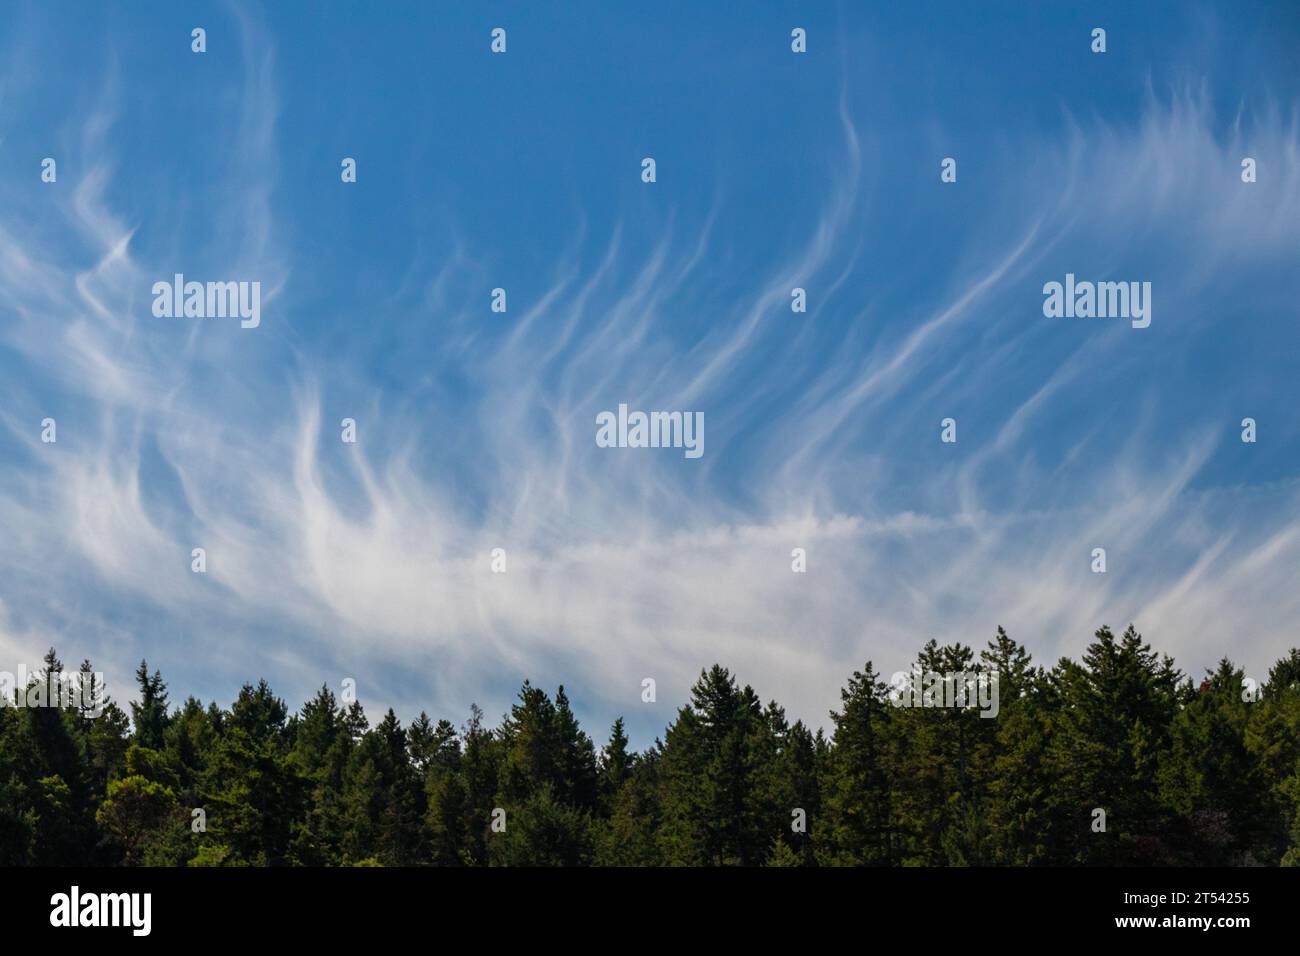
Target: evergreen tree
1107 740
577 784
322 746
480 769
1213 782
541 831
715 811
616 763
857 792
447 818
149 716
1200 774
252 791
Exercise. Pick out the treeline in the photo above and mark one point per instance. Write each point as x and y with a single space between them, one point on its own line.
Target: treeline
1116 759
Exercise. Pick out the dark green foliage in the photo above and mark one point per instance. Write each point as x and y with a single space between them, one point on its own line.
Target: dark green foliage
541 831
857 782
1186 773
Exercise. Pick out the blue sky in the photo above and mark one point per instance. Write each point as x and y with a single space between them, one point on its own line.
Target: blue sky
476 430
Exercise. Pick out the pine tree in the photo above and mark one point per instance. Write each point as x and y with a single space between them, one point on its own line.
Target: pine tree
857 794
1108 738
149 716
480 769
322 745
714 809
616 764
629 835
531 752
541 831
1192 774
1020 791
1213 782
251 788
577 784
446 816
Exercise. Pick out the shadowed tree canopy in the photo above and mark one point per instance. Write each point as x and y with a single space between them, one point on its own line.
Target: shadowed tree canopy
1185 772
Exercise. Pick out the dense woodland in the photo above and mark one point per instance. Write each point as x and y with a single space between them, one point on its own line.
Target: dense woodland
1187 772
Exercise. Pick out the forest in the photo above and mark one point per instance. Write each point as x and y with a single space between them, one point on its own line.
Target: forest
1117 759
